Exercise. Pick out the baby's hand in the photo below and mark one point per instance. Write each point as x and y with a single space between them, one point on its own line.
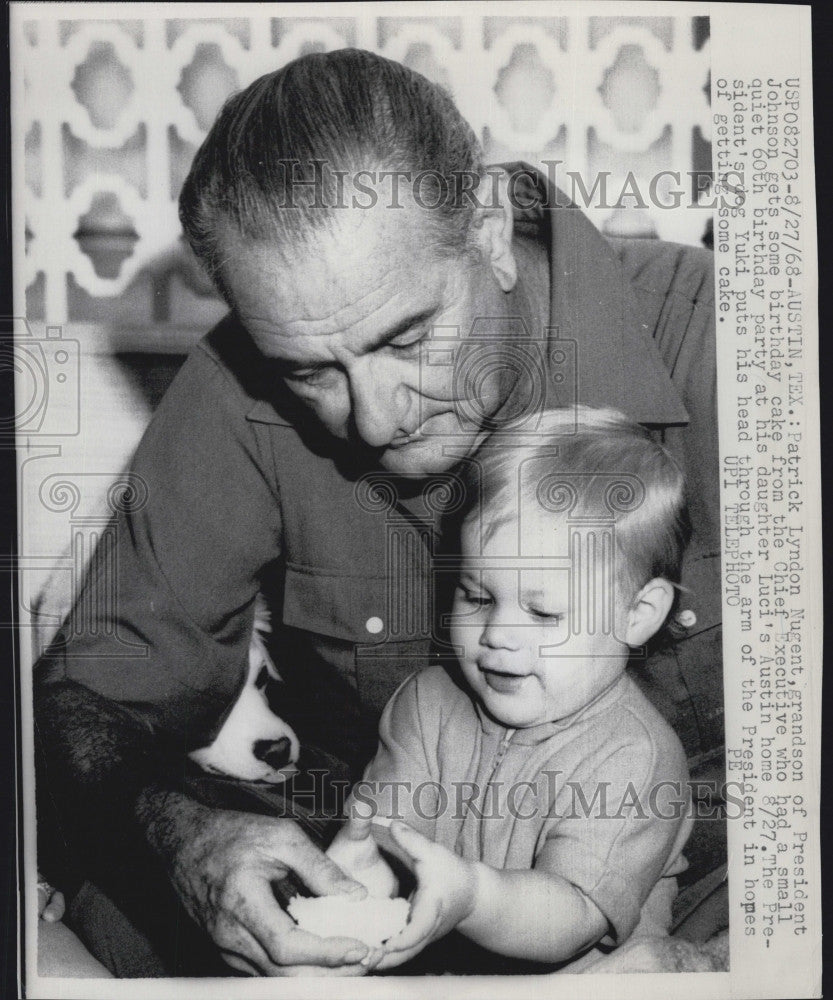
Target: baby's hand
445 895
355 851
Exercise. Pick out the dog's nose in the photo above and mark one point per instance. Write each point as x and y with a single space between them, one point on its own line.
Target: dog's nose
275 753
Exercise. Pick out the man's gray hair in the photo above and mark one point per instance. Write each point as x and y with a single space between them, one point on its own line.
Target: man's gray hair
274 164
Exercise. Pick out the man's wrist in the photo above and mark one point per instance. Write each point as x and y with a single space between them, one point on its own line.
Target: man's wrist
164 815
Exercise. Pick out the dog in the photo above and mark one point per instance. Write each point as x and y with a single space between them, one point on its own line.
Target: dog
254 744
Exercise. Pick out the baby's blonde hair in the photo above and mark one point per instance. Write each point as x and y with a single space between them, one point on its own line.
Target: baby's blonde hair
650 513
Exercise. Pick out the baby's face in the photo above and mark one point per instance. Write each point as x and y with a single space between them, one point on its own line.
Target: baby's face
525 650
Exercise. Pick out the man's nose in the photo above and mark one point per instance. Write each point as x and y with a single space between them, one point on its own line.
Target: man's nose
379 404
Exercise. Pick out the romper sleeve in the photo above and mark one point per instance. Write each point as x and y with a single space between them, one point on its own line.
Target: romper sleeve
162 624
402 779
620 828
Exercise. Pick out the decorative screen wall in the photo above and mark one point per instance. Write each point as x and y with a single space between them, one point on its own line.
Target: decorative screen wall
114 111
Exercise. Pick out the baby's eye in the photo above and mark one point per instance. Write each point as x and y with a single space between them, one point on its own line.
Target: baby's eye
476 600
556 617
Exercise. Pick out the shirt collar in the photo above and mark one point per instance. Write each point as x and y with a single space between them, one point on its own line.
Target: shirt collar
593 304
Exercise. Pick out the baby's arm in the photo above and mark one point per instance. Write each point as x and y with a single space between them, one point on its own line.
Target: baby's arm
526 914
399 766
355 851
532 914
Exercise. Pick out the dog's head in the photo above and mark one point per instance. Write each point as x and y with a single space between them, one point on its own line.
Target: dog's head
254 743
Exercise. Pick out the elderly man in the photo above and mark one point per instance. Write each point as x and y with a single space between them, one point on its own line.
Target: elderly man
355 297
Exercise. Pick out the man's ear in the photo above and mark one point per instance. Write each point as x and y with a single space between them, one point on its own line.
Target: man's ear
649 611
494 226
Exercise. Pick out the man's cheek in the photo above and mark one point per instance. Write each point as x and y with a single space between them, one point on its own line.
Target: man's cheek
436 379
332 413
335 423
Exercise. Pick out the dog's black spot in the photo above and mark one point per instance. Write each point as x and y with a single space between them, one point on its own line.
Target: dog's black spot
275 694
275 753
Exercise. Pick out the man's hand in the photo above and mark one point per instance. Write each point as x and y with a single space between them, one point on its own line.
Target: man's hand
223 863
355 851
445 896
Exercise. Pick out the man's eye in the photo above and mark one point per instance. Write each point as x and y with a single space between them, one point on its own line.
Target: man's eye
309 376
408 343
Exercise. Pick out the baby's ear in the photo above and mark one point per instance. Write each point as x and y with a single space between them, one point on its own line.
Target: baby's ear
649 611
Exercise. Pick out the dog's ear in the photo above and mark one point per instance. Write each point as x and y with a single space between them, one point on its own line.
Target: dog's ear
254 742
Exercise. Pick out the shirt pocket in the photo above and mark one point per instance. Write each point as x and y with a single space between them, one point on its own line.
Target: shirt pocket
372 637
364 610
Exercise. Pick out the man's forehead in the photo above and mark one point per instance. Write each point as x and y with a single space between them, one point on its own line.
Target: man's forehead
366 262
346 243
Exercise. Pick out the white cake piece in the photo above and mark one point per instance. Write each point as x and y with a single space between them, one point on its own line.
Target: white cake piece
370 920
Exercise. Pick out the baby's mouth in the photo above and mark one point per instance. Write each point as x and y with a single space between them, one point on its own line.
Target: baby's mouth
504 683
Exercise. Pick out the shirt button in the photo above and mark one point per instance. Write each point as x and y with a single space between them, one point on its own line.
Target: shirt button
374 625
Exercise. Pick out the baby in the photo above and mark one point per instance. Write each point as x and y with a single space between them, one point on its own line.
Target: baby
538 797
